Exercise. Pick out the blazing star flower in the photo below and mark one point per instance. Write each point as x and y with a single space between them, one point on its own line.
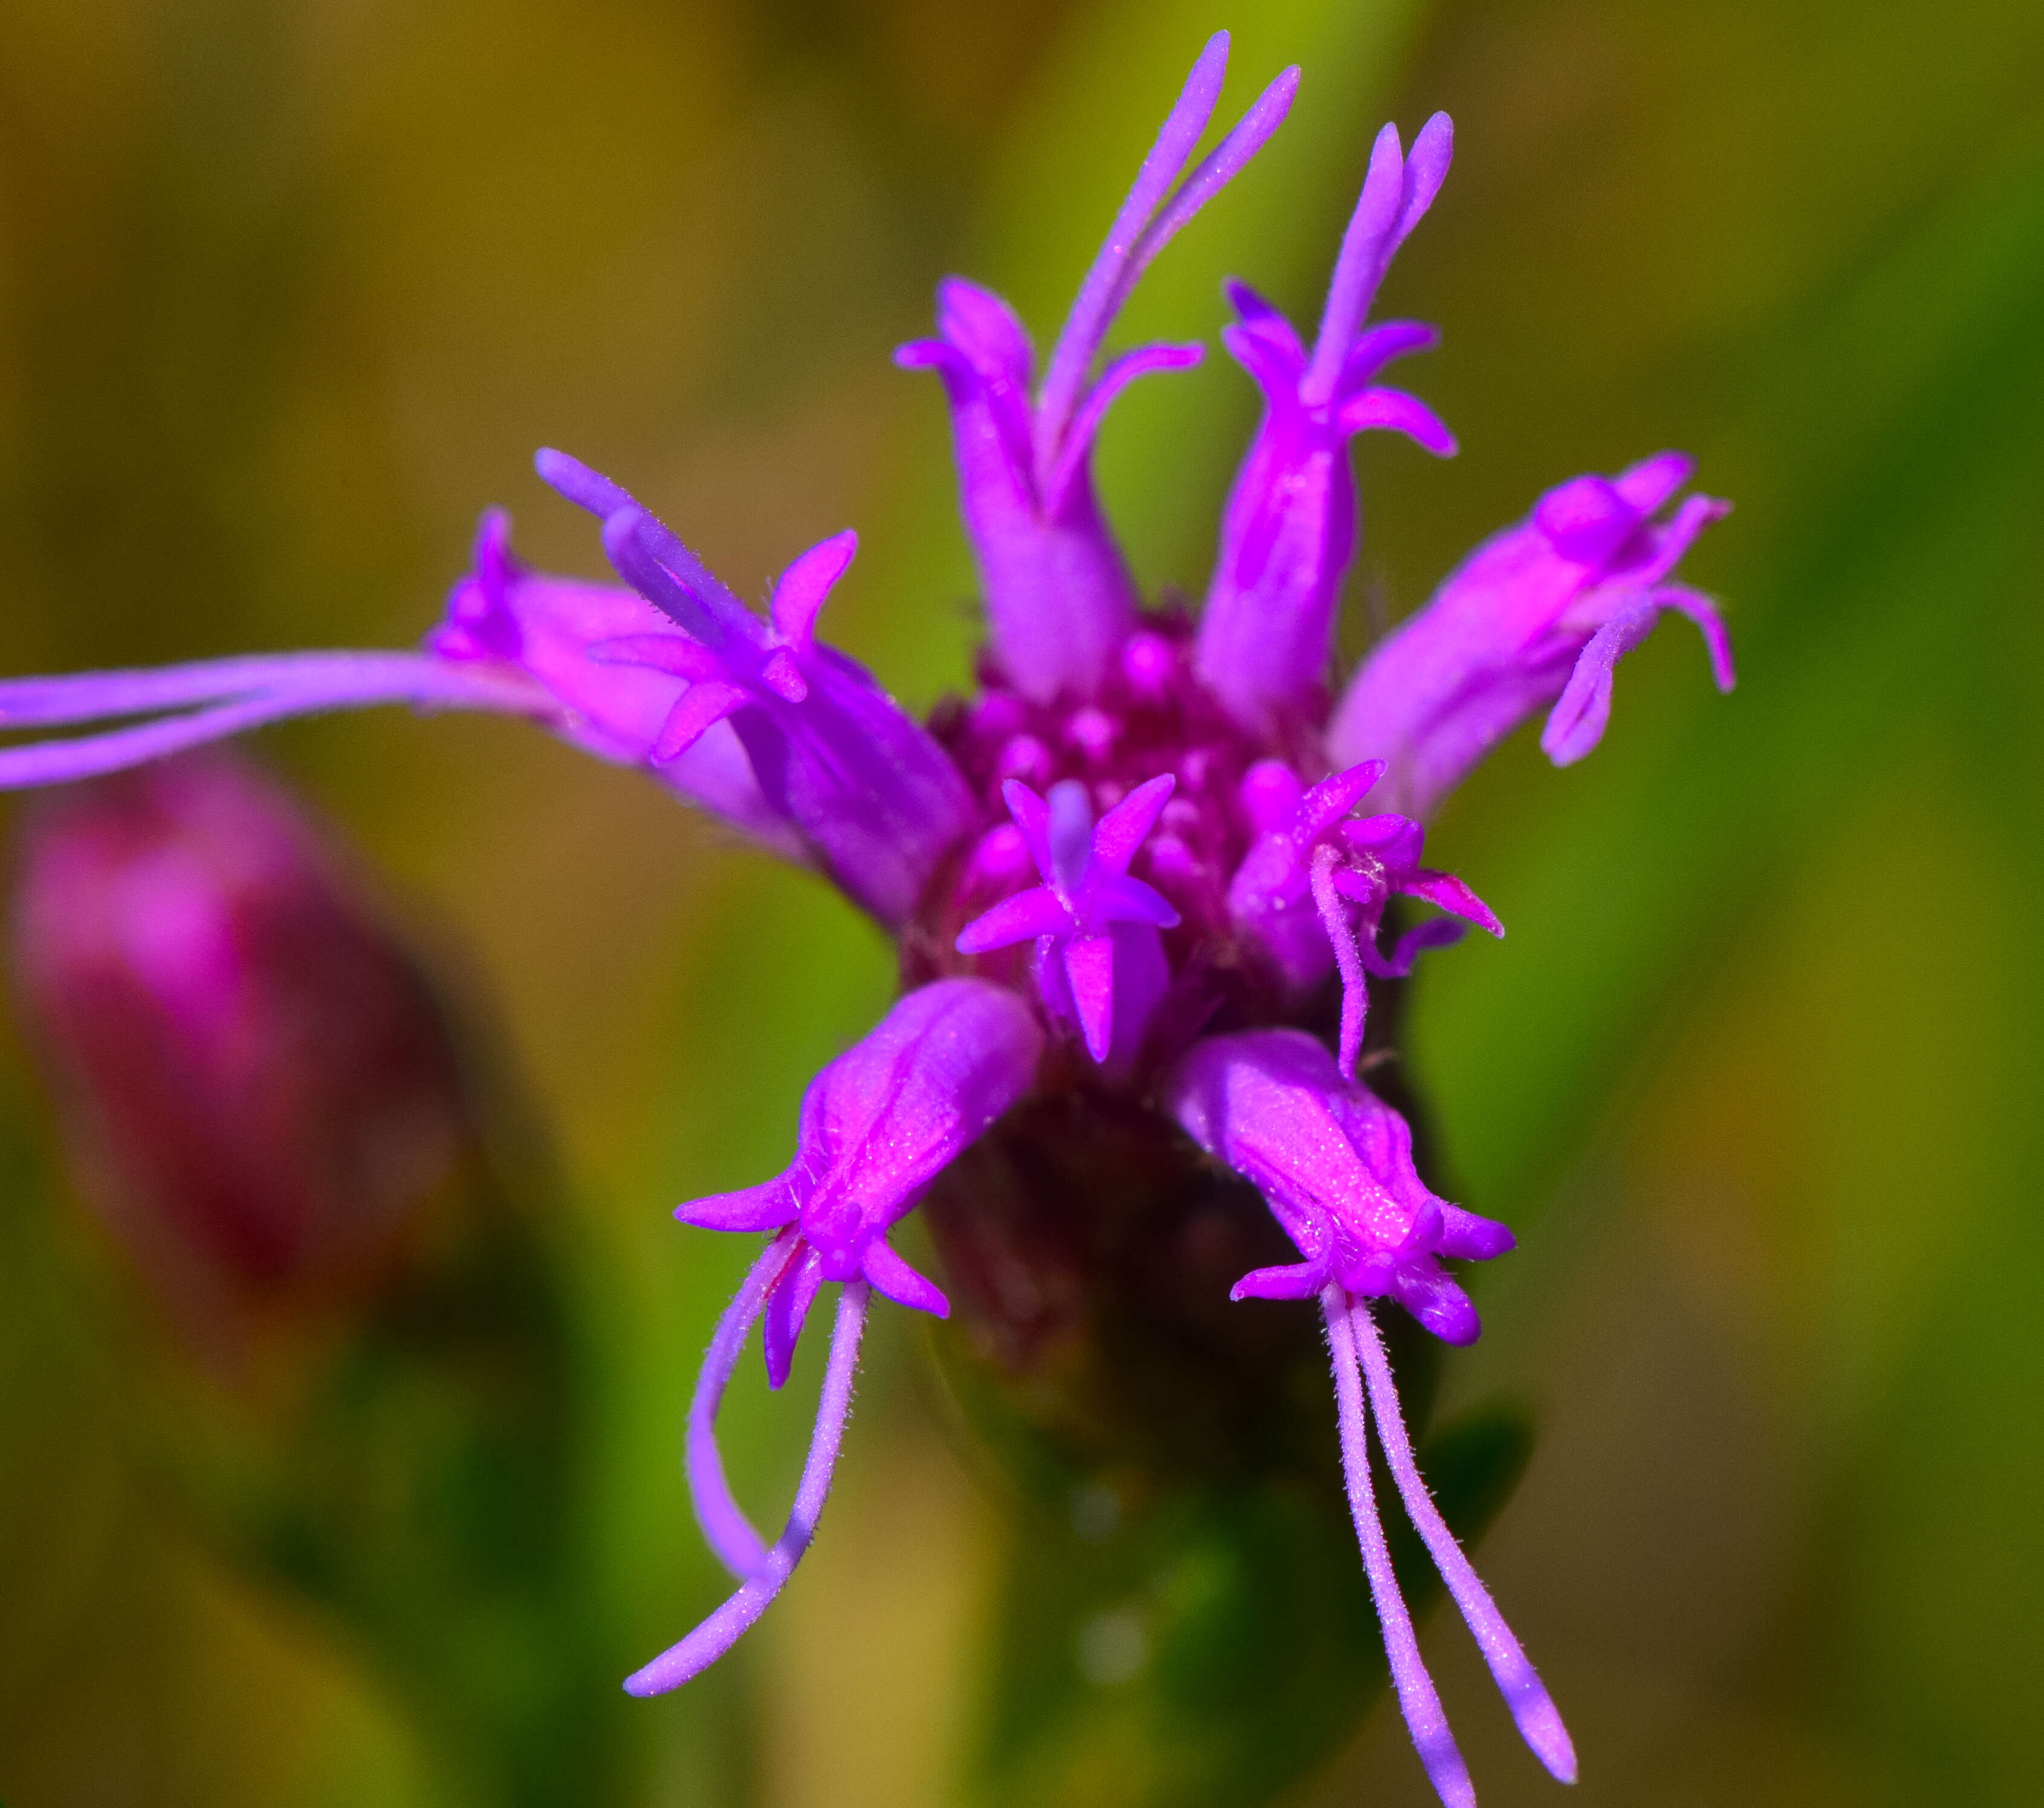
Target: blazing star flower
1125 871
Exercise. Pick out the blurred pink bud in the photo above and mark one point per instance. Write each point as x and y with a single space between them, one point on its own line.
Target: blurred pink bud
257 1083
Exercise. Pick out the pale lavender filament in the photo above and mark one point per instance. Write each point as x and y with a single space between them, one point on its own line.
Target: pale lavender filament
1348 957
290 685
1395 192
1087 324
730 1533
1539 1722
1220 166
1417 1700
681 1663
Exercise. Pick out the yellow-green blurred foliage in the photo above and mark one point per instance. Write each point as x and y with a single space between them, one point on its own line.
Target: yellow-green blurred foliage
288 292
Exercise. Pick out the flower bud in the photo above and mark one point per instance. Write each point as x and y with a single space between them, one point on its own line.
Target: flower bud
256 1083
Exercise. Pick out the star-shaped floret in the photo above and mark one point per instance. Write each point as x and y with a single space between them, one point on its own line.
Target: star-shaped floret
1349 867
1086 894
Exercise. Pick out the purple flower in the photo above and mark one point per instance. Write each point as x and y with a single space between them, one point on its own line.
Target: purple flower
1335 1164
1122 874
1540 613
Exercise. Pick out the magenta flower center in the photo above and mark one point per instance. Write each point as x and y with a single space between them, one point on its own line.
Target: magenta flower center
1151 716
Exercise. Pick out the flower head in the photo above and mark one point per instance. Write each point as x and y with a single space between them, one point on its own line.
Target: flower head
1157 810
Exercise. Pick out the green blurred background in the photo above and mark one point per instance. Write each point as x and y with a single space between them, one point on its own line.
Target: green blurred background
289 292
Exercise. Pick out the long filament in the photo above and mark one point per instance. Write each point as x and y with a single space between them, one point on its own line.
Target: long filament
1539 1722
1417 1698
729 1533
681 1663
256 691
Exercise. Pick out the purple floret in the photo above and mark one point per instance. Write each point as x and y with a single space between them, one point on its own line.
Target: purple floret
1313 888
1059 598
1290 530
879 1124
1335 1164
1100 959
1538 614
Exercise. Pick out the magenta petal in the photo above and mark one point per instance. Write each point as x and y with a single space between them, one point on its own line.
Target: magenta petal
788 1310
1021 918
1431 1296
1032 817
1332 799
676 654
985 328
1393 410
702 706
1451 894
752 1208
802 590
1299 1281
893 1278
1587 520
1717 638
1268 351
1383 343
1649 483
1442 932
1119 899
1089 962
1123 829
1143 362
1471 1237
1252 306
